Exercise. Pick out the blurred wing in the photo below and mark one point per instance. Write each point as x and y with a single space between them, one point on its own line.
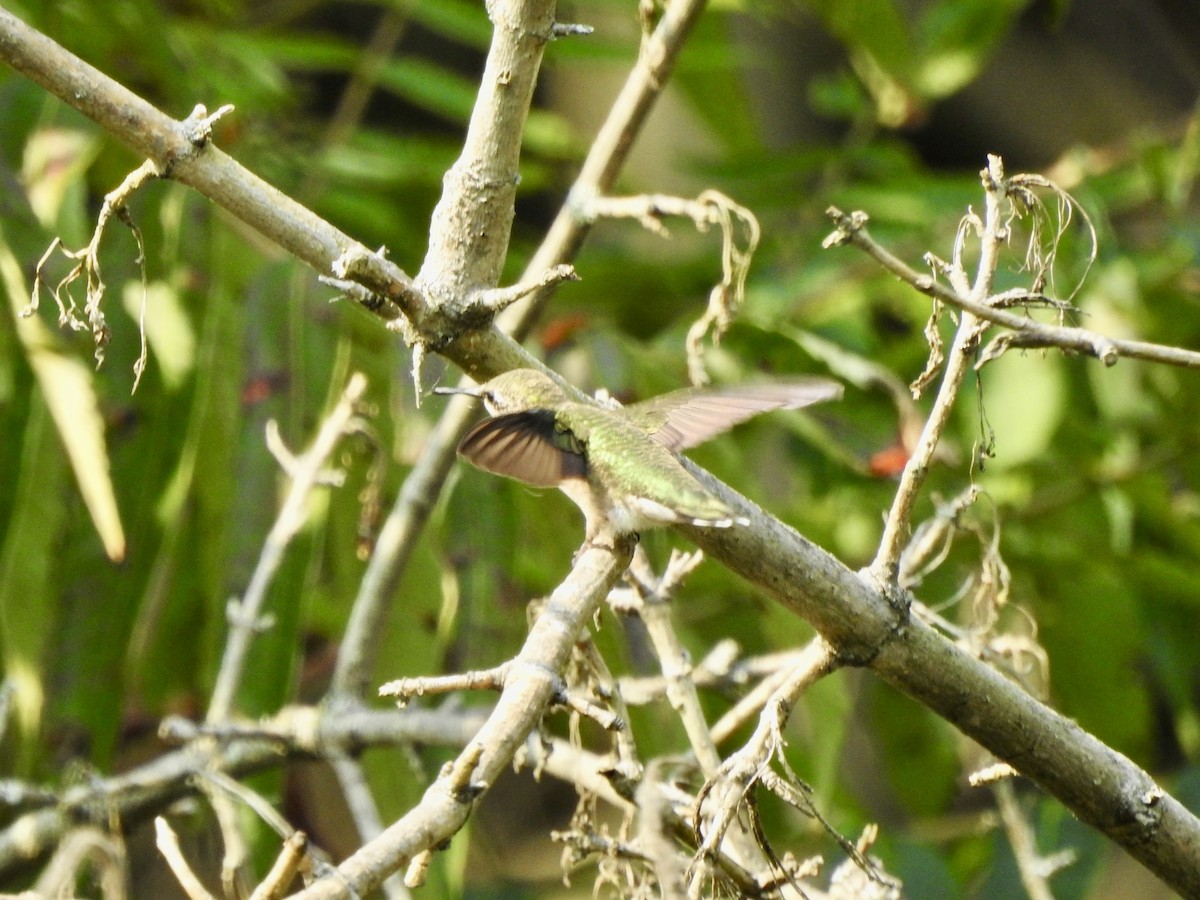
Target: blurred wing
526 446
684 419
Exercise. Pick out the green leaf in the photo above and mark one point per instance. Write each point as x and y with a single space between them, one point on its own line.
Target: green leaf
68 388
1024 401
28 568
430 86
958 38
464 22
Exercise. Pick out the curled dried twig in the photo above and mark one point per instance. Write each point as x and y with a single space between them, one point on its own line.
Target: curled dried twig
87 267
740 234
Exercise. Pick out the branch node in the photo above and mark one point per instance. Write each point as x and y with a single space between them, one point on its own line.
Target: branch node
418 869
355 262
287 460
1107 351
177 730
602 716
198 126
581 202
237 618
845 227
458 774
293 858
494 300
565 29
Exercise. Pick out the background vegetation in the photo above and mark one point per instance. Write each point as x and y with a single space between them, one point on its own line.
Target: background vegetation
356 110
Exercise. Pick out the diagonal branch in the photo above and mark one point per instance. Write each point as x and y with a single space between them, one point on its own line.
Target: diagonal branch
532 681
991 238
180 152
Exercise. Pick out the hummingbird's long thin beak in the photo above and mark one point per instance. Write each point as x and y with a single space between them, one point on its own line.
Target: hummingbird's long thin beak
470 392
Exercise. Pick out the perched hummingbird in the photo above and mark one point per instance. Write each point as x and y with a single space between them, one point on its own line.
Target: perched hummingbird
618 465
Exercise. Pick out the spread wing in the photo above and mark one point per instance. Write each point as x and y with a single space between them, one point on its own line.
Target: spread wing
686 418
526 446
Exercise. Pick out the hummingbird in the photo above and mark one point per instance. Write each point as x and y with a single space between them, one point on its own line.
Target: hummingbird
619 464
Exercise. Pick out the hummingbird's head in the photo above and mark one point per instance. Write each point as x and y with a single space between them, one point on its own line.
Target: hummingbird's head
520 389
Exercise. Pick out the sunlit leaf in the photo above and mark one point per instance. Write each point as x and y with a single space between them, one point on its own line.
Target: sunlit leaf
27 576
168 331
67 385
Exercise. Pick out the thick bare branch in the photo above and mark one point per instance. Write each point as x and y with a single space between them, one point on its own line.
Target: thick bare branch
470 227
608 152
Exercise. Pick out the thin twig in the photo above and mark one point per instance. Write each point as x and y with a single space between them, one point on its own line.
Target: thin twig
1035 870
494 300
306 473
292 858
365 812
750 705
88 847
394 547
655 612
404 689
245 617
725 792
1026 332
233 748
628 765
740 234
168 846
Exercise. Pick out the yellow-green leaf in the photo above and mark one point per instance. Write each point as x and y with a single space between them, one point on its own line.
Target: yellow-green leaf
66 383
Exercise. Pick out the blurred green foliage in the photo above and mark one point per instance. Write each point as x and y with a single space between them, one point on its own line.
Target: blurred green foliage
1092 480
